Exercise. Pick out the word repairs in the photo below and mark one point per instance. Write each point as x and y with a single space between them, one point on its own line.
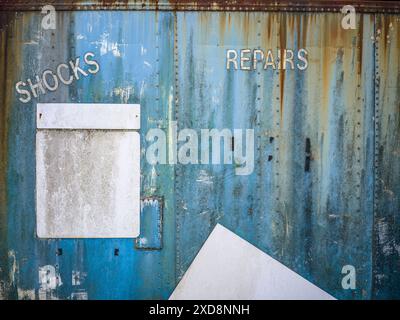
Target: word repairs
247 59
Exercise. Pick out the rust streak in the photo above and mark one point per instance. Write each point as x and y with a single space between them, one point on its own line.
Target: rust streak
360 52
10 49
282 72
218 5
222 27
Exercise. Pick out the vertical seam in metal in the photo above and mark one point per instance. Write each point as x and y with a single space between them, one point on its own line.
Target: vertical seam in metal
376 149
359 115
360 111
53 98
259 100
157 31
157 59
5 286
277 122
176 167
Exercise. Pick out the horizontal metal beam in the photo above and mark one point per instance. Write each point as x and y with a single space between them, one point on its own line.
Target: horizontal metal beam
366 6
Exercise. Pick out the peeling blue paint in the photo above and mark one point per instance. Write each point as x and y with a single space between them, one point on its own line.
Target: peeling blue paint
315 221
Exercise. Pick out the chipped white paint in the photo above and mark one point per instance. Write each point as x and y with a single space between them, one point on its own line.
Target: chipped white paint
87 116
149 202
107 46
49 281
142 241
143 86
78 277
79 295
12 275
124 93
383 237
14 267
153 179
26 294
228 267
47 295
31 42
204 177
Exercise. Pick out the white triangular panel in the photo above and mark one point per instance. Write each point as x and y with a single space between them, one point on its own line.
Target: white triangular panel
228 267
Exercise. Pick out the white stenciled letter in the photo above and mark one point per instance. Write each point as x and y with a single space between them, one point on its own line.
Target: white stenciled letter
230 59
91 62
302 55
23 91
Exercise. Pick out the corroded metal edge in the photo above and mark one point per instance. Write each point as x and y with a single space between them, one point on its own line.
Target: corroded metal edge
366 6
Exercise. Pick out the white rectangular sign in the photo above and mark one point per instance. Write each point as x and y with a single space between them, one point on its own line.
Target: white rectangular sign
87 181
87 116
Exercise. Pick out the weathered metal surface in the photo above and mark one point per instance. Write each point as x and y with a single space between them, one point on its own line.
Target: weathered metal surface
386 258
87 184
113 268
87 181
151 223
314 221
321 160
207 5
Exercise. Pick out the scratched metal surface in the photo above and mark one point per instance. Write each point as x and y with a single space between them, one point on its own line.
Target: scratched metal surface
386 257
131 74
173 64
314 222
366 6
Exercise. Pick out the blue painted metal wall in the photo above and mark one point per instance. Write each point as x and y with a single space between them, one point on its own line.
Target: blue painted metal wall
344 108
386 257
141 74
316 221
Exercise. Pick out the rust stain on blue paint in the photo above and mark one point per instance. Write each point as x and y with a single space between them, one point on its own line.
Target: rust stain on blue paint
310 200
